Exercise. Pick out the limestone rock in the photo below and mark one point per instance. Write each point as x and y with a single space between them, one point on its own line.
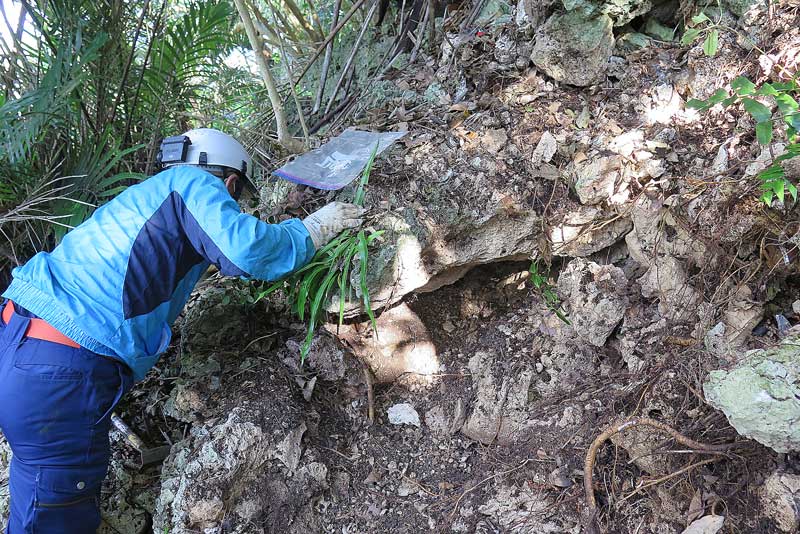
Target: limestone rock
187 403
792 168
244 469
656 232
403 414
5 462
668 281
710 524
740 7
716 342
602 180
125 506
780 499
761 395
620 11
213 317
494 140
586 231
289 450
325 358
422 255
499 413
640 445
521 509
596 299
655 29
545 149
437 420
531 13
741 316
573 48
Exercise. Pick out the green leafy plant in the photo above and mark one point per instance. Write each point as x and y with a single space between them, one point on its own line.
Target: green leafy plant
542 285
703 28
309 289
774 183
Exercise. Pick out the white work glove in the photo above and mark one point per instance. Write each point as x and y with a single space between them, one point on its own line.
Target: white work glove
326 223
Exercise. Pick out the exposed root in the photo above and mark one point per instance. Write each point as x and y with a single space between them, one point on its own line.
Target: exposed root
591 513
370 382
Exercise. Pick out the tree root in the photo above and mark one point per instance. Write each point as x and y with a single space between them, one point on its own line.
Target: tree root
369 380
591 513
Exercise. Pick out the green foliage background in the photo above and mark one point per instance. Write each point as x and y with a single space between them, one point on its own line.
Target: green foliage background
88 90
90 87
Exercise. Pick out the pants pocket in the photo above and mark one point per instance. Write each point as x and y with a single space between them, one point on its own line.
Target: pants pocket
45 360
109 392
67 497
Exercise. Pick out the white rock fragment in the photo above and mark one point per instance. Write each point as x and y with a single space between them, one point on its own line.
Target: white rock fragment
720 163
403 414
710 524
545 149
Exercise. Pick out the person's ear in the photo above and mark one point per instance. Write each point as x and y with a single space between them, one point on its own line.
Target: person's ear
230 184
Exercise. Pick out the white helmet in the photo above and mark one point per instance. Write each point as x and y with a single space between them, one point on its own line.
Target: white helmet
208 148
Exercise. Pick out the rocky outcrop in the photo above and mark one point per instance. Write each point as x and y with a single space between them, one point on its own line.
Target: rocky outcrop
595 296
5 461
244 469
418 254
238 472
761 395
499 413
710 524
780 497
587 230
574 48
620 11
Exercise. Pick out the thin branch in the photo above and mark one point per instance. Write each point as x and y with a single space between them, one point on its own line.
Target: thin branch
315 19
328 39
353 52
288 27
326 63
156 29
292 91
421 32
432 25
302 20
328 116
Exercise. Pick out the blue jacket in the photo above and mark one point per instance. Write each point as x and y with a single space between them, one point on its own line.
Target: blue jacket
117 282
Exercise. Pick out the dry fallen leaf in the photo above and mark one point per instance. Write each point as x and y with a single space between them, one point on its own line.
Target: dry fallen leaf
463 106
695 507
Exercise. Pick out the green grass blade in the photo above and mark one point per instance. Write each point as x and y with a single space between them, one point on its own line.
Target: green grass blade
334 243
374 235
363 255
271 289
319 299
306 288
362 186
344 278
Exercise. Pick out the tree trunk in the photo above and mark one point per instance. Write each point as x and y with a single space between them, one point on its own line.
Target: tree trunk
286 140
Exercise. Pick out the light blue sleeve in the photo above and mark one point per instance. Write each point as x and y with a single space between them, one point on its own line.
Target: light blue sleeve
239 244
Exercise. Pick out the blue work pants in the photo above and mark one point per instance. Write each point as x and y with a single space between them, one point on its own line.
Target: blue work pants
55 411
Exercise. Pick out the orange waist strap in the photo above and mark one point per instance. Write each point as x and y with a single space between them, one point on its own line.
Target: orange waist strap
40 329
